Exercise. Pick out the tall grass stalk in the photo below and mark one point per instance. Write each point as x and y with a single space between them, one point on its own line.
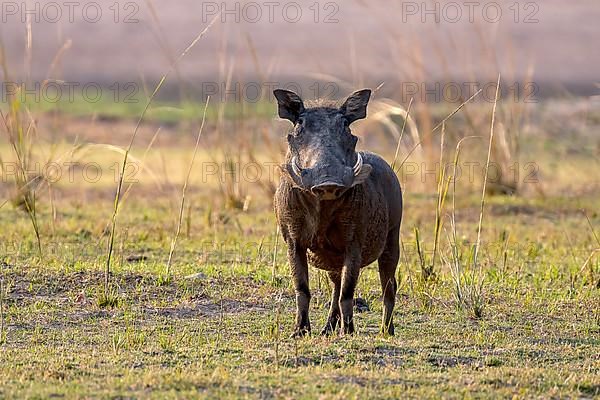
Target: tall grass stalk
425 286
438 126
442 192
469 287
588 262
402 133
274 261
277 332
443 184
233 194
20 127
592 228
462 292
143 162
20 140
485 177
1 310
166 48
593 253
184 189
117 200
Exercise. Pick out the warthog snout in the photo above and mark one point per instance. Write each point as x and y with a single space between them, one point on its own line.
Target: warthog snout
329 178
328 190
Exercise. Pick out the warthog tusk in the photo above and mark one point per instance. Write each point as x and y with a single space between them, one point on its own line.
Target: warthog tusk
358 166
295 167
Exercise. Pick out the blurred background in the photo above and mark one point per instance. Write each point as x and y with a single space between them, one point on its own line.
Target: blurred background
360 42
78 76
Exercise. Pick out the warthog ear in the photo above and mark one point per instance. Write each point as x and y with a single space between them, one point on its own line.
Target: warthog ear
290 104
362 175
355 106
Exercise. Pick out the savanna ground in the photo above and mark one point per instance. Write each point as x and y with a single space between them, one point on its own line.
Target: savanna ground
218 324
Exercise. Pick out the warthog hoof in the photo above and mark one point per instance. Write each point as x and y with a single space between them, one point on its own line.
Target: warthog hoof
300 332
330 327
387 330
348 328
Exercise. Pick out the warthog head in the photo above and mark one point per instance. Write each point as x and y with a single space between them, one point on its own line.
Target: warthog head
322 158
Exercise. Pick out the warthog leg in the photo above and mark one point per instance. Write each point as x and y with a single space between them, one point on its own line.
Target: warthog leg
299 264
388 261
350 273
333 320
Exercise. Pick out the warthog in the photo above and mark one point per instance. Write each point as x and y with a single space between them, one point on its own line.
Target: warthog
337 208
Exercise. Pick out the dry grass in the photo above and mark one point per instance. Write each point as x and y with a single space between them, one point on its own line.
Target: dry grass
212 322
